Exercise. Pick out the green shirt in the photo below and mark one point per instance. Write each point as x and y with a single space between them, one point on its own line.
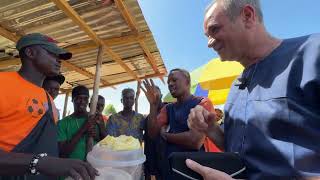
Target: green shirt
67 128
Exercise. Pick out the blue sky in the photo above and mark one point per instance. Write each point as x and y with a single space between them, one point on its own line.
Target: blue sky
177 29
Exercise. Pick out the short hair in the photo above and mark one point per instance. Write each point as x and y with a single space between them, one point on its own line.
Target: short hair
185 73
233 7
127 90
79 90
100 97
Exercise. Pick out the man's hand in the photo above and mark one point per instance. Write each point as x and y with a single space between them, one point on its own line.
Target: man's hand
151 92
76 169
201 120
92 125
99 120
207 173
163 132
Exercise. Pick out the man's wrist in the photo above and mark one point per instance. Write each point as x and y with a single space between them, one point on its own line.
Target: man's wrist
211 128
164 135
34 166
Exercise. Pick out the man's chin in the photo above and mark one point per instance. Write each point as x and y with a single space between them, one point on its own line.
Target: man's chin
173 95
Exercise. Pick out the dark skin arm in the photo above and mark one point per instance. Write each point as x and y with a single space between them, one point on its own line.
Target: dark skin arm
14 164
190 139
102 127
216 135
152 125
153 97
67 147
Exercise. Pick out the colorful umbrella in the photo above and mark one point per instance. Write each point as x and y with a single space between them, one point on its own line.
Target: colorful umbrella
219 75
213 80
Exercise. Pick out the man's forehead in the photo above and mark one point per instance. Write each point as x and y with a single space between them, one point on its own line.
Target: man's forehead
101 100
128 93
175 73
82 96
213 12
210 10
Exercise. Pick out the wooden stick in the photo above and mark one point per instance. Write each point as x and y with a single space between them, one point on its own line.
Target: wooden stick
94 98
65 104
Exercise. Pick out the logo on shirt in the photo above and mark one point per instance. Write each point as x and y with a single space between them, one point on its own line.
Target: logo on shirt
35 107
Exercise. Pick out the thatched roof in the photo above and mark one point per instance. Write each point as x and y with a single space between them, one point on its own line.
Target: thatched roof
81 26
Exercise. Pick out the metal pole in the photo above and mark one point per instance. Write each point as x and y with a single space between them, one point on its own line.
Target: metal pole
94 98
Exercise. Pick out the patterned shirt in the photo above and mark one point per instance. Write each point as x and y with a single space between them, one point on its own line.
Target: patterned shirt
119 125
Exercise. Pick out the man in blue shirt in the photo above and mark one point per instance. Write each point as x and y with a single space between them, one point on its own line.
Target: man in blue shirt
272 116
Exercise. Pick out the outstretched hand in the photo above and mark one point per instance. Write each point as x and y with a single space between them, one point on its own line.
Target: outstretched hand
151 92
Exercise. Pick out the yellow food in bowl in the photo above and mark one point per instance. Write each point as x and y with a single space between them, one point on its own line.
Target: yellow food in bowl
121 143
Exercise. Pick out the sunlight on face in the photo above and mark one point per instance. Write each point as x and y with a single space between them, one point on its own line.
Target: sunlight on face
226 37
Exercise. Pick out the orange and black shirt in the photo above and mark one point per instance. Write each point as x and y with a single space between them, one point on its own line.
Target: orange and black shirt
27 121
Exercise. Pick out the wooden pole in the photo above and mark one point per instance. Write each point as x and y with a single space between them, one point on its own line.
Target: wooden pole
65 107
94 98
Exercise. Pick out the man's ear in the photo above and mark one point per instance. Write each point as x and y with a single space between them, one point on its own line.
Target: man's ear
30 52
249 16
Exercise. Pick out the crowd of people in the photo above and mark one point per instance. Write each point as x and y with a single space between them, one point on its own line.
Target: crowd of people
271 118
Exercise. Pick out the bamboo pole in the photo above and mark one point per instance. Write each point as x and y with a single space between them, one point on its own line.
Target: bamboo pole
94 98
65 107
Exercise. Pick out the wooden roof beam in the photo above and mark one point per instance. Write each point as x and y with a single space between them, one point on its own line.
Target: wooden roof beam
150 58
10 62
86 47
144 77
74 16
82 71
132 25
109 42
8 35
126 15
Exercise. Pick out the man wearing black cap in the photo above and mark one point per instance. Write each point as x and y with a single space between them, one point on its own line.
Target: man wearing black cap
52 84
73 130
28 133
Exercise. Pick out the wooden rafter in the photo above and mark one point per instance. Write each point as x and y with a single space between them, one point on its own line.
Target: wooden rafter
82 71
109 42
86 47
132 25
10 62
74 16
144 77
126 15
8 35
